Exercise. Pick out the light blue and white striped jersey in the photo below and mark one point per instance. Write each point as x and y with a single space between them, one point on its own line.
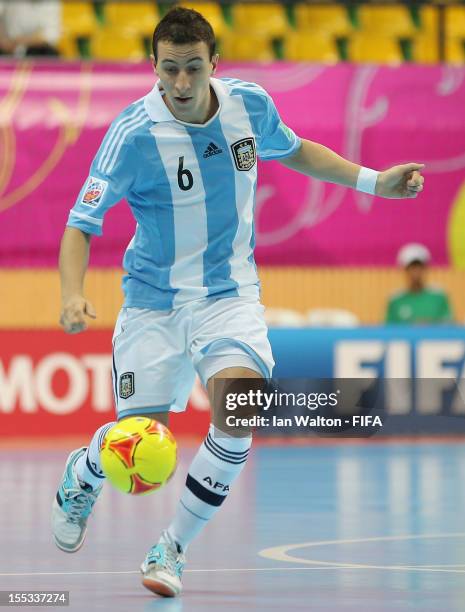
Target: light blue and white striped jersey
191 188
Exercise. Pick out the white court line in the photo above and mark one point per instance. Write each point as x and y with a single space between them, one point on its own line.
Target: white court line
446 565
227 569
280 553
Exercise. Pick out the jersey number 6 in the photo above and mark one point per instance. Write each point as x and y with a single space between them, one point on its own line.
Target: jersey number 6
185 178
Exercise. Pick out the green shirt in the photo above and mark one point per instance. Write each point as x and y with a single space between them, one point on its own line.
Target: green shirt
427 306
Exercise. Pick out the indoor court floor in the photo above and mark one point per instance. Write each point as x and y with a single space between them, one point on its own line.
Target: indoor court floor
359 527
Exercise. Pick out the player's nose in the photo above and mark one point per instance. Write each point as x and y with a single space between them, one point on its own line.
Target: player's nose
182 85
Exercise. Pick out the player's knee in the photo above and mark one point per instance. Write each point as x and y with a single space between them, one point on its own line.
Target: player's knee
161 417
219 388
232 373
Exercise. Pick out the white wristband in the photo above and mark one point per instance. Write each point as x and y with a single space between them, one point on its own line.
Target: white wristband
366 180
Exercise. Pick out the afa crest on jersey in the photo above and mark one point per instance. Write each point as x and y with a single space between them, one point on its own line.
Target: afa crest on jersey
94 191
126 385
244 154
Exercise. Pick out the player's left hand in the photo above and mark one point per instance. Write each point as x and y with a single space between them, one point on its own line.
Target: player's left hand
404 181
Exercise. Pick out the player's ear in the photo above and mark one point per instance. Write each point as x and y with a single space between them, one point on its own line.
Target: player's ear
214 62
153 62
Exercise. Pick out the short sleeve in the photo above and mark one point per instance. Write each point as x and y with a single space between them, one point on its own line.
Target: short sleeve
446 311
111 176
275 140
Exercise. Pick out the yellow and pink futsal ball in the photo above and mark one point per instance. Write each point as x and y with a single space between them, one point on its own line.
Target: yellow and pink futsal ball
138 455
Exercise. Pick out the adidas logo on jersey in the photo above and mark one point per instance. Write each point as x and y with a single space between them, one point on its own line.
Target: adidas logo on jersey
212 149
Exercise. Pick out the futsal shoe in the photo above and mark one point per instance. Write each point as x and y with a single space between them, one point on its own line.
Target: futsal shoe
163 566
72 506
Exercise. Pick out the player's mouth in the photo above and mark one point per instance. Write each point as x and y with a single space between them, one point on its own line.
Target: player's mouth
182 100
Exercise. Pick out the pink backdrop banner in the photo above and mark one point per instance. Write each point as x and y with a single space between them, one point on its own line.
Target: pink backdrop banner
54 115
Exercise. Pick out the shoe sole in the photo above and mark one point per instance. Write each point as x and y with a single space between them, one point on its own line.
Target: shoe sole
70 550
159 588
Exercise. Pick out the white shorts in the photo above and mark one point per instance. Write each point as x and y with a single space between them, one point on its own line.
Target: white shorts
157 353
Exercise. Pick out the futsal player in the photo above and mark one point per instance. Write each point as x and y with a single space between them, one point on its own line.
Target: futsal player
185 158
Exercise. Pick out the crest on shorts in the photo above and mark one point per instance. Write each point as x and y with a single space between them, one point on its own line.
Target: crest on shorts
244 154
94 191
126 385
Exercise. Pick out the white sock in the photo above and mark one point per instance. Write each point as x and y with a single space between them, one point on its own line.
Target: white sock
88 467
218 462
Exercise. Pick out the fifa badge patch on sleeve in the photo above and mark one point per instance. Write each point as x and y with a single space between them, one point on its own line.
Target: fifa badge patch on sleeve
244 154
94 191
126 385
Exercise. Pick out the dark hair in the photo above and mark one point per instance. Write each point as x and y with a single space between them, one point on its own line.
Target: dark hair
183 26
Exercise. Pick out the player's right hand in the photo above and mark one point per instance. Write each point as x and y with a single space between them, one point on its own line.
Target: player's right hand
73 314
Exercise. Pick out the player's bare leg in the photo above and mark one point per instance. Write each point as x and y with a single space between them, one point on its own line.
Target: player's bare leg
217 464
